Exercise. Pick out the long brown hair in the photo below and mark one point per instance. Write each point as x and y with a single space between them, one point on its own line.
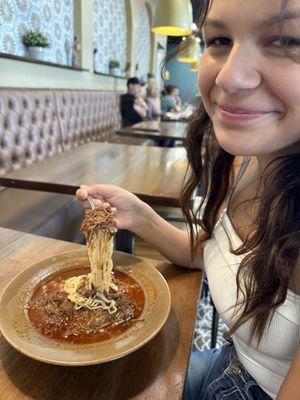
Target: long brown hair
270 253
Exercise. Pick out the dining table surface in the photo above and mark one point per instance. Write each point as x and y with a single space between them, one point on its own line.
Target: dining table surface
154 174
156 129
156 371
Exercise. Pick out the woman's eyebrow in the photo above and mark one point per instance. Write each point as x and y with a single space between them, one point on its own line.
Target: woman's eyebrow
275 19
209 22
285 16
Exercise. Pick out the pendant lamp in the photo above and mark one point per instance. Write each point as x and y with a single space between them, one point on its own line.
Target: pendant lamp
173 18
194 66
166 75
189 50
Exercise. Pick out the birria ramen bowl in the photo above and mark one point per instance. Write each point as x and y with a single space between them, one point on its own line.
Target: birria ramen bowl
19 329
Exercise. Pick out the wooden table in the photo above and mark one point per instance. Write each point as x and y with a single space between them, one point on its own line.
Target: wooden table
154 174
154 372
160 131
165 118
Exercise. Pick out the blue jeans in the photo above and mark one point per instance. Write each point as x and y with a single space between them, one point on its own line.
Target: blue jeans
219 375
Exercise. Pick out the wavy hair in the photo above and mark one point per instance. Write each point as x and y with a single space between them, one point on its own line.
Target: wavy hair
270 252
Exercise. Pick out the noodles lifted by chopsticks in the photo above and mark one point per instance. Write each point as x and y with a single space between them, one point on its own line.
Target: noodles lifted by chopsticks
90 290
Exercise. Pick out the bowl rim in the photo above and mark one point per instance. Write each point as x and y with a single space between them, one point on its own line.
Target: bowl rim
73 254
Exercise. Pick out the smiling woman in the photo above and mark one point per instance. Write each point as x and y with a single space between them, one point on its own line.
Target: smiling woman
243 148
249 78
244 81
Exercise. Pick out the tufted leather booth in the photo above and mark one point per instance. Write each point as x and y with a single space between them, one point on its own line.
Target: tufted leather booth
29 128
86 115
39 123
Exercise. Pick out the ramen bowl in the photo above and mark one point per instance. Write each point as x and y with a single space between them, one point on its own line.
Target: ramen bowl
20 332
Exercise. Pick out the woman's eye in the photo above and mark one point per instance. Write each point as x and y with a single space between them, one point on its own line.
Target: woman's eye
284 41
218 42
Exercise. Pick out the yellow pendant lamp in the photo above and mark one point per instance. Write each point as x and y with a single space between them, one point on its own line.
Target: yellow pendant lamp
173 18
189 50
194 66
166 75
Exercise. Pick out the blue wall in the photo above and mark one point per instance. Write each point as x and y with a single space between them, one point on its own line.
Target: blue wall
181 76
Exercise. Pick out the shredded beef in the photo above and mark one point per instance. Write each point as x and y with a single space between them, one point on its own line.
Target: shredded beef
84 288
58 313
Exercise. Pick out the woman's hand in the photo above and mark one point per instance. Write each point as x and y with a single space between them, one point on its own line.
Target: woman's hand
126 207
133 214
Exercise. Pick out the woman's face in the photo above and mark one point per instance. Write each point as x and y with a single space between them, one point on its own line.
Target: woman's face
249 85
175 93
154 91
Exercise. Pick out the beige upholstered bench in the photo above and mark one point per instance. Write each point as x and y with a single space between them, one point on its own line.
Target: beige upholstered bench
36 124
86 115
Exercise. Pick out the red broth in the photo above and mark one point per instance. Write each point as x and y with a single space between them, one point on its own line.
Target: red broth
130 289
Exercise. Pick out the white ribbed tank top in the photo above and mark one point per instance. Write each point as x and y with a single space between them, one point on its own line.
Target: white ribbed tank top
268 363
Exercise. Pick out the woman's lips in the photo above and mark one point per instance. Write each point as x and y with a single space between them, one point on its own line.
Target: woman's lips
233 114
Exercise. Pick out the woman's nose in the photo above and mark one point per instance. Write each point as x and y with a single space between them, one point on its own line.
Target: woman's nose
239 71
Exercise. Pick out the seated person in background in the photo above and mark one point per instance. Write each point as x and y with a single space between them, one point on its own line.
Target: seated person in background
133 107
171 101
153 100
141 99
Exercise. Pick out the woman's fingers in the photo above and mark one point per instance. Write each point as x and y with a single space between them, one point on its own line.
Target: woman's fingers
94 191
99 193
98 203
81 194
98 200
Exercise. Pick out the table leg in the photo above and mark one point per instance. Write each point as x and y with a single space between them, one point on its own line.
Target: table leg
169 143
159 142
124 241
164 142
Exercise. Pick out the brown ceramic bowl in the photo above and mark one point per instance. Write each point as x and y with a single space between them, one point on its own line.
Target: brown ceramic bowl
21 334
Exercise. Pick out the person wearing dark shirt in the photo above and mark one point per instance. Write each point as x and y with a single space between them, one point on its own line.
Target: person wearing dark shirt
133 108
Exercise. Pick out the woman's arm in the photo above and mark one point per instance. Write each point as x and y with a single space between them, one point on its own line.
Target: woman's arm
171 242
290 389
133 214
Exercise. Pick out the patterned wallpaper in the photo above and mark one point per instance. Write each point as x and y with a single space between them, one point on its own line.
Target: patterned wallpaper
143 45
54 18
110 33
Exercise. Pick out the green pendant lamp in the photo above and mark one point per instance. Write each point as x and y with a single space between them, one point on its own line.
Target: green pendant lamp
173 18
189 50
